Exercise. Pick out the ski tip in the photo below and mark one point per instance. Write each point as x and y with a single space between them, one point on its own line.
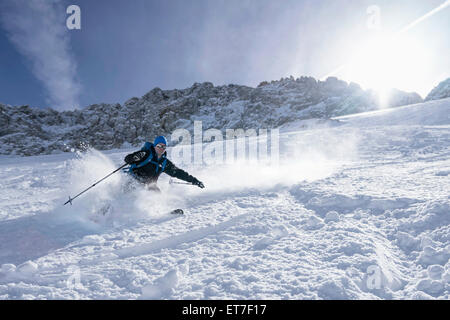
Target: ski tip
177 211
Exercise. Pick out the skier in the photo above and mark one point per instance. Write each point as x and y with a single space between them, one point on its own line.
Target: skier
148 163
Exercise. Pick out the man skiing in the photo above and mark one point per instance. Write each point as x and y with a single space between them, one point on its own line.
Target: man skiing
147 164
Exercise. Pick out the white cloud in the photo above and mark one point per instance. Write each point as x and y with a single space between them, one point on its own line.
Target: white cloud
38 30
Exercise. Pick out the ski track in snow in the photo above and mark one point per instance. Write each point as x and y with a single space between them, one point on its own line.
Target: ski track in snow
359 210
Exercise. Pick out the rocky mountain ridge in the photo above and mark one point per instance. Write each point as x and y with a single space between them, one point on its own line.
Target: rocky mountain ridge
32 131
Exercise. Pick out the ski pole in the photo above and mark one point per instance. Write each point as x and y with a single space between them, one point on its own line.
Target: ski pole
176 182
71 199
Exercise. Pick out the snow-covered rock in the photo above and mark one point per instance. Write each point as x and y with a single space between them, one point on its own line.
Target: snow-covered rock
441 91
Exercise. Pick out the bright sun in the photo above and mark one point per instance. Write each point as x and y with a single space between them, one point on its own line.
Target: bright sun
388 62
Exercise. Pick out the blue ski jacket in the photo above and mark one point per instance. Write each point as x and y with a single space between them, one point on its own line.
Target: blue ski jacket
148 168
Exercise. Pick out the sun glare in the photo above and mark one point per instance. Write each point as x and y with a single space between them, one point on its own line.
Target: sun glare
392 61
387 62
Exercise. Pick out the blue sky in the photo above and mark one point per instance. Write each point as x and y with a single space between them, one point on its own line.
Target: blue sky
126 48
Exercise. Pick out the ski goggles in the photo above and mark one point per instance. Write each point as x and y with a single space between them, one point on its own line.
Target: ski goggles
161 146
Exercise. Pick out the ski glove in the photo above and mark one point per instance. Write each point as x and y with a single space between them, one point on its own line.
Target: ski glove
135 157
198 183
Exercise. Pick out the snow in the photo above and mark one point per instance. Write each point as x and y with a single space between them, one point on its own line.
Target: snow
357 208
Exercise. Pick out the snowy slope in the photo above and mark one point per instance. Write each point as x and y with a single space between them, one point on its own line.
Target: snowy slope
428 113
358 208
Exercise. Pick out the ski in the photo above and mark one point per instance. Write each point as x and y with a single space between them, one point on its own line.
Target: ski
177 211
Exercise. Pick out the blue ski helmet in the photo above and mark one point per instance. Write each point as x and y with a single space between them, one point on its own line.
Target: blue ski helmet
160 139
